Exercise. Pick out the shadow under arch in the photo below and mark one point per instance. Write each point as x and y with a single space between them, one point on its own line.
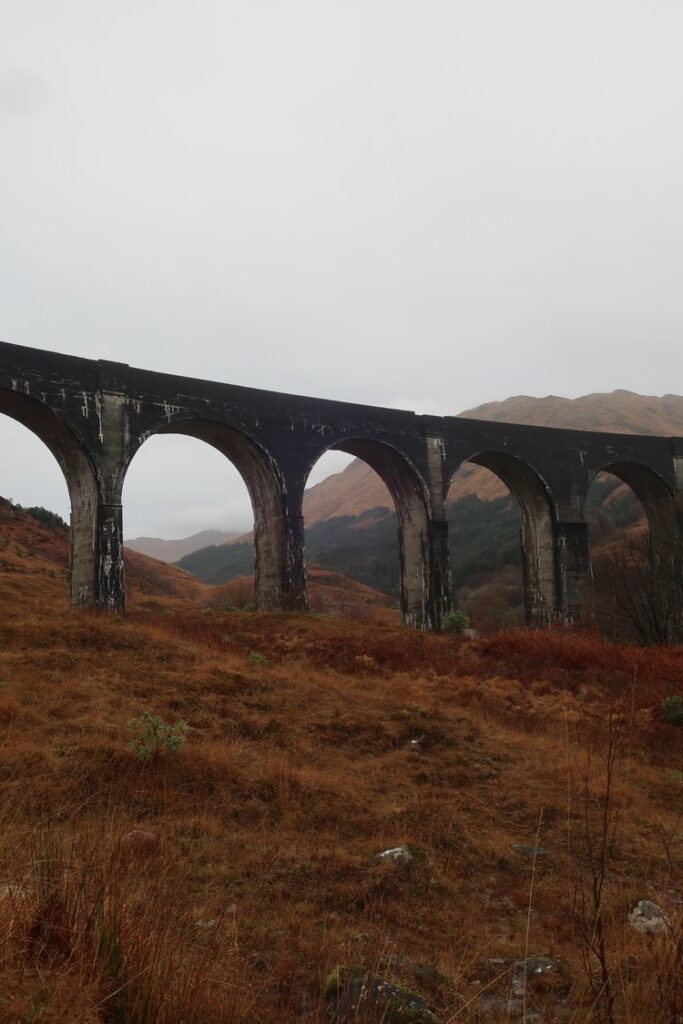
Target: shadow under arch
412 502
638 574
657 499
537 535
81 483
273 585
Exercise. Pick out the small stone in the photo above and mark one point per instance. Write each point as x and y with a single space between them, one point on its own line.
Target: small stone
396 855
531 851
353 994
648 918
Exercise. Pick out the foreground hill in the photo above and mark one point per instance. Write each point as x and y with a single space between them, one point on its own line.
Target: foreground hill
36 545
235 880
483 542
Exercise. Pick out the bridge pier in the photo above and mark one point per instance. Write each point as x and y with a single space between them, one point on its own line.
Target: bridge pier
294 587
574 572
440 576
111 589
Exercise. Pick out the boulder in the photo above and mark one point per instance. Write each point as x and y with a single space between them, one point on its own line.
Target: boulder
649 918
396 855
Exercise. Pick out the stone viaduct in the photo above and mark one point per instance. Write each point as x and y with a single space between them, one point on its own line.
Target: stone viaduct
94 416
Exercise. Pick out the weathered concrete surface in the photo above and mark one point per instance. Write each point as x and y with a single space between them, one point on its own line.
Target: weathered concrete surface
95 415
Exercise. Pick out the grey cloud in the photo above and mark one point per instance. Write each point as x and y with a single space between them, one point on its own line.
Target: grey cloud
360 200
22 92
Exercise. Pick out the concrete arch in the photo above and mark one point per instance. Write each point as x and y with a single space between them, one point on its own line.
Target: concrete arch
81 482
658 500
275 586
410 494
537 536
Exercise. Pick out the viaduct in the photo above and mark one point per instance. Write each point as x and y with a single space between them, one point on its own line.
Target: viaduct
94 415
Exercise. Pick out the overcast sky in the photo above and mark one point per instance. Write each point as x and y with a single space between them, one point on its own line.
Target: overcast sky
420 204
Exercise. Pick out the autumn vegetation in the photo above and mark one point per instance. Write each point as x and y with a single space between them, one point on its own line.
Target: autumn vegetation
221 880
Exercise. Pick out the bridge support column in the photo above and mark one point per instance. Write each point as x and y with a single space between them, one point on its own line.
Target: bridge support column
423 554
294 590
111 591
678 545
439 600
539 569
280 568
574 573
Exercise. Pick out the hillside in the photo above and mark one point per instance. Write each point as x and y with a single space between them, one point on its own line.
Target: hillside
173 550
483 543
30 548
226 882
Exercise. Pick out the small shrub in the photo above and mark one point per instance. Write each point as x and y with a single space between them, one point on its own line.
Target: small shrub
456 622
672 710
153 737
257 659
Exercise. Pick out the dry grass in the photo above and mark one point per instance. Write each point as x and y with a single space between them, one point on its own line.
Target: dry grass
258 874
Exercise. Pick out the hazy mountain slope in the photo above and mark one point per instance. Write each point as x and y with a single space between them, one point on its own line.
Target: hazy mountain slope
174 550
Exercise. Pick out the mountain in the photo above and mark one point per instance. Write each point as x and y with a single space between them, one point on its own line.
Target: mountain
174 550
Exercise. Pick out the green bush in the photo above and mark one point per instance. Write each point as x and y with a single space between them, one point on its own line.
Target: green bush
455 622
153 737
672 710
257 659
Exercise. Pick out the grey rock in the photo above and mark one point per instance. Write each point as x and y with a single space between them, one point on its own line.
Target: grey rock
396 855
649 918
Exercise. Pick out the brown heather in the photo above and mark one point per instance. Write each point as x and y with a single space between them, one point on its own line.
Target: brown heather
257 874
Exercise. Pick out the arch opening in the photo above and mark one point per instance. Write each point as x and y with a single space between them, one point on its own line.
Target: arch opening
371 523
635 555
242 508
502 542
81 486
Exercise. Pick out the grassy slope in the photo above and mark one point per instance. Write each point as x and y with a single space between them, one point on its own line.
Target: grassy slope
257 875
483 542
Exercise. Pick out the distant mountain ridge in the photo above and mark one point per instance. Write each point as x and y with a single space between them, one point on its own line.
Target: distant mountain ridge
173 550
